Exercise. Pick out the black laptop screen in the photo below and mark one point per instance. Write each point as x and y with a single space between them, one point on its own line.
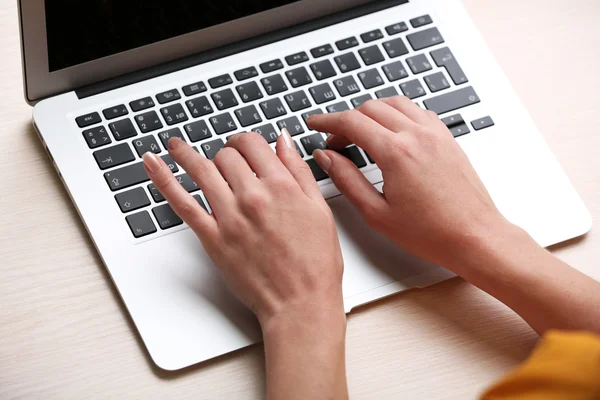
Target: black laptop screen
84 30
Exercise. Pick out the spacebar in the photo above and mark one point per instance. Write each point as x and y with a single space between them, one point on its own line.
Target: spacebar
452 101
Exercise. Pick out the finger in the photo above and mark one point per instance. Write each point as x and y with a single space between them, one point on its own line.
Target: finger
257 152
234 169
184 205
408 108
286 151
386 115
337 142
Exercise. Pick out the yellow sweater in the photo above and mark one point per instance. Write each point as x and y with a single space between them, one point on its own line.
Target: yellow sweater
564 365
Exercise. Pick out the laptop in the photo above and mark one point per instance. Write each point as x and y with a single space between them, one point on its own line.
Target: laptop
111 80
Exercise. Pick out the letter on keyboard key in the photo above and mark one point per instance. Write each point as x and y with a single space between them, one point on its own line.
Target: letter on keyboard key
197 131
322 93
212 148
426 38
292 124
248 116
360 100
141 224
146 144
452 101
114 156
273 108
223 123
297 101
166 217
386 92
346 86
313 142
268 132
166 135
338 107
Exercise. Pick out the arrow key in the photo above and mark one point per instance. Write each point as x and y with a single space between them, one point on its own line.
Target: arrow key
113 156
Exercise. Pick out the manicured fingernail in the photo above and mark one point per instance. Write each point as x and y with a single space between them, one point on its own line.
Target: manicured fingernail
322 159
152 162
175 143
287 138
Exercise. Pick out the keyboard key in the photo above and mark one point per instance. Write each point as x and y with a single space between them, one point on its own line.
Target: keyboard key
197 131
372 35
174 114
444 58
313 142
482 123
346 43
395 48
323 69
437 82
346 86
155 193
395 71
371 55
418 64
146 144
194 88
423 39
96 137
338 107
199 106
459 130
220 81
317 172
223 123
134 174
298 77
166 217
322 93
132 200
148 122
224 99
396 28
115 112
184 180
166 135
420 21
347 62
141 104
311 112
370 78
122 129
88 119
245 73
297 100
412 89
274 84
453 120
321 51
114 156
268 132
296 58
360 100
271 66
200 201
387 92
292 124
298 149
273 108
248 116
211 148
353 154
249 92
141 224
168 96
452 101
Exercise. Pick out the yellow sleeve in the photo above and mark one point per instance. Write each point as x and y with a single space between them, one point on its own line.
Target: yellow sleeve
564 365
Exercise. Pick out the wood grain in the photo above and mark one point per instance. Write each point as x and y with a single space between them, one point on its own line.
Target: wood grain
64 333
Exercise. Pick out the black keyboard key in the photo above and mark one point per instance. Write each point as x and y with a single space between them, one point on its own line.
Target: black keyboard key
132 200
274 84
459 130
296 58
395 48
298 77
168 96
370 78
245 73
323 69
223 123
396 28
224 99
146 144
115 112
166 135
141 224
174 114
453 120
421 21
114 156
211 148
297 100
141 104
122 129
184 180
134 174
88 119
347 62
482 123
371 36
423 39
387 92
249 92
268 132
199 106
292 124
346 86
194 88
248 116
444 58
313 142
220 81
353 154
166 217
360 100
200 201
273 108
412 89
437 82
338 107
197 131
418 64
322 93
96 137
346 43
155 193
371 55
298 149
271 66
321 51
148 122
395 71
452 101
311 112
317 172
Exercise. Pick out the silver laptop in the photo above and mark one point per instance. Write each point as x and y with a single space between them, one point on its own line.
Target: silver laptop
111 80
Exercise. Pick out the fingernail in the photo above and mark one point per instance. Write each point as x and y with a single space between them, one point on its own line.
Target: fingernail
322 159
175 143
152 162
287 138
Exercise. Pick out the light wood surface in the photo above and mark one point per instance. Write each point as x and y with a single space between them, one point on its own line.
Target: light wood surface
64 333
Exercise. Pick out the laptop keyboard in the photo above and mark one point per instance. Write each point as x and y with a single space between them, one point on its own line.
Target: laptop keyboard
393 60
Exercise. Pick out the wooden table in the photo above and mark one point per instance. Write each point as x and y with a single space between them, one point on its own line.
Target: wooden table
64 333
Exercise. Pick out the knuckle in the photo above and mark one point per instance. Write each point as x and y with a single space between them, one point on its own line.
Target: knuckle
249 139
223 155
347 118
186 210
254 202
368 105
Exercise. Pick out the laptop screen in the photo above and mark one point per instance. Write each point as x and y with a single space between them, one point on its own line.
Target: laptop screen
92 29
